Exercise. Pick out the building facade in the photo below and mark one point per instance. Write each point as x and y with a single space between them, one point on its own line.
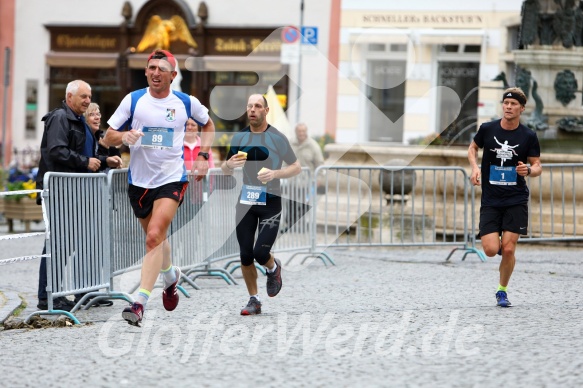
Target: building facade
226 50
418 69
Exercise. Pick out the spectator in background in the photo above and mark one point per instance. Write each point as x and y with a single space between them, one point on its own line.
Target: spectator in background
110 157
307 149
192 145
309 154
61 149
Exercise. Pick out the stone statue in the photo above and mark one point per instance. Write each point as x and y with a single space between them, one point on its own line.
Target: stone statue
529 22
570 124
579 24
161 33
523 78
502 77
565 86
564 23
546 33
537 120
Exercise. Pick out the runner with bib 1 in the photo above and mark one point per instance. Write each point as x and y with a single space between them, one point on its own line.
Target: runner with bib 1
503 176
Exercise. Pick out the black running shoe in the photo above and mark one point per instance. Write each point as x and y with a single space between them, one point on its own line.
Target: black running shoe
252 308
274 282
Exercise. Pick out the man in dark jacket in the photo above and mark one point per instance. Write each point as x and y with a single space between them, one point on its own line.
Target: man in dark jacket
62 151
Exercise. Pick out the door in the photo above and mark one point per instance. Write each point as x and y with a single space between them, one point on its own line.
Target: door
386 105
463 78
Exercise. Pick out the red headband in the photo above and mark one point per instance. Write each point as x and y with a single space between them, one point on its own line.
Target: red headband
163 54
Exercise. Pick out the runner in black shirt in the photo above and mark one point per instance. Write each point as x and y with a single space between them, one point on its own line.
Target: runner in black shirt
260 150
508 146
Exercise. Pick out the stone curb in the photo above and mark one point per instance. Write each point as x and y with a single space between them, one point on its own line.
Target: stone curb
10 302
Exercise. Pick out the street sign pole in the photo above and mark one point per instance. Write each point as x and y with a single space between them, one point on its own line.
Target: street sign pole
298 87
4 104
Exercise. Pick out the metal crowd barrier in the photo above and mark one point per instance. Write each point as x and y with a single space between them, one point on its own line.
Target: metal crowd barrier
392 206
203 230
558 214
78 240
93 236
555 211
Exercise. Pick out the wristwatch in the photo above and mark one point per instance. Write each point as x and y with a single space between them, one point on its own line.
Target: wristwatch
527 171
204 155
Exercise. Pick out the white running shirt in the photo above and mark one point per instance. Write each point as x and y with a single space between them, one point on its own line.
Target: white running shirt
151 167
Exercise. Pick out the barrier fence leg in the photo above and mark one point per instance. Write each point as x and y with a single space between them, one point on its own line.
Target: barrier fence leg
53 312
467 251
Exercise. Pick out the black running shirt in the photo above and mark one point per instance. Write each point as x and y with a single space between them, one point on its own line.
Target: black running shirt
267 149
505 148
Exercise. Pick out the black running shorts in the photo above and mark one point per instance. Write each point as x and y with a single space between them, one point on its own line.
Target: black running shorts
498 219
263 219
142 200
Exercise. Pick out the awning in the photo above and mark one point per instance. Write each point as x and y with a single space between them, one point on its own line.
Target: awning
379 35
450 36
233 63
77 59
216 62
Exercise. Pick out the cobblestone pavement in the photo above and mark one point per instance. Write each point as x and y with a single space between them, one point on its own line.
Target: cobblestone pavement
381 317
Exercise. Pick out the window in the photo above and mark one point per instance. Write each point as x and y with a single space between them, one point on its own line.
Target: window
376 47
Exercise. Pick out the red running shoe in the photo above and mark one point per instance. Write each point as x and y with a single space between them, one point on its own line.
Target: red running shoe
170 294
133 314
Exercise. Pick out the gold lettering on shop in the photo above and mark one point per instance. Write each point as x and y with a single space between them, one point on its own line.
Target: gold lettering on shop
86 41
243 46
222 45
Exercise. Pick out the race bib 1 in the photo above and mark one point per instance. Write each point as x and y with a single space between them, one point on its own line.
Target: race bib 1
253 195
503 176
158 137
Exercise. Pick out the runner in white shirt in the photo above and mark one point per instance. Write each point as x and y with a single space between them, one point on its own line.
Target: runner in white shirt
157 117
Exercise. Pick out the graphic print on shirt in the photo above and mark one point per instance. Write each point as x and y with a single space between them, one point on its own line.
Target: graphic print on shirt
500 175
505 151
170 114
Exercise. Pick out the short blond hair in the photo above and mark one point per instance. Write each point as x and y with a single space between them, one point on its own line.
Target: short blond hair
91 108
518 91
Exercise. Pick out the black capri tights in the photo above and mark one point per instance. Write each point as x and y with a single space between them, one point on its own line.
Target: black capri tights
248 217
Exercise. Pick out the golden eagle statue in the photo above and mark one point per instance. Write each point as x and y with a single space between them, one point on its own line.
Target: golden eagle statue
160 33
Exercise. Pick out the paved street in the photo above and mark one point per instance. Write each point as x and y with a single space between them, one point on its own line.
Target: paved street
390 317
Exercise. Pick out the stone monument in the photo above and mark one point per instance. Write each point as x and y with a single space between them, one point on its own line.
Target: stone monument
550 52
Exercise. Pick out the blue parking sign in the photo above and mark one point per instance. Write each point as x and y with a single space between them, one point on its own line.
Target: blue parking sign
309 35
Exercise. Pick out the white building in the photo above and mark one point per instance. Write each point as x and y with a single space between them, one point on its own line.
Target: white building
420 68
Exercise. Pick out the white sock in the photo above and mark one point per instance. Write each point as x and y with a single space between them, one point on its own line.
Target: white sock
256 297
169 276
272 269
